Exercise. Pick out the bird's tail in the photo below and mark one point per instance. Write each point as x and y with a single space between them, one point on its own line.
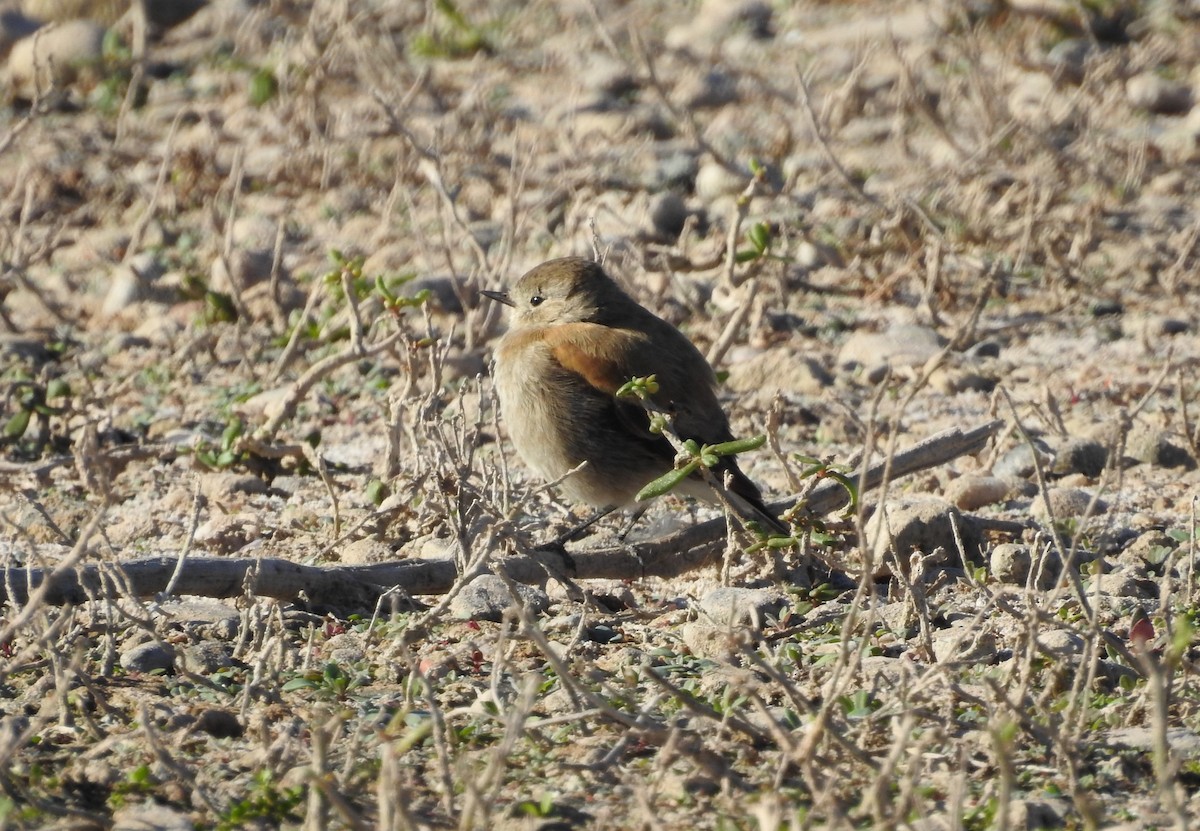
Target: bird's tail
746 499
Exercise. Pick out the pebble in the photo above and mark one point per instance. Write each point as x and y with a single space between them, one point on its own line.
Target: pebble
972 492
54 56
918 523
959 643
13 27
668 214
344 649
714 181
1018 462
780 369
219 723
150 816
715 88
1153 93
209 656
1065 503
1124 581
900 345
244 268
488 598
673 169
1084 456
366 551
130 282
732 606
1158 447
1010 563
148 657
1059 643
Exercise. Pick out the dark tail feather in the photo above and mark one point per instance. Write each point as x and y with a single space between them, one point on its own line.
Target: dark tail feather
747 500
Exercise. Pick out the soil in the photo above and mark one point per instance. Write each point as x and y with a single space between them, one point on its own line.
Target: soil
240 319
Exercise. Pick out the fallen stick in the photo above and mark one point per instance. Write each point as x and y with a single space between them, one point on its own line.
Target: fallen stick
361 586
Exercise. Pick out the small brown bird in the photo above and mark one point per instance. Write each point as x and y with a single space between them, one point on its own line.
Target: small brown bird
575 338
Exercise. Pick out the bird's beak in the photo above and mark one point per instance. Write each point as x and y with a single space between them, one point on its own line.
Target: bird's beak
501 296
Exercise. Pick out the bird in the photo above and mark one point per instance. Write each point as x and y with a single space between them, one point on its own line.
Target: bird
575 337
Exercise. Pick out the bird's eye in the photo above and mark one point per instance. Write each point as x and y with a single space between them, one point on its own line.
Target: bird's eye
536 300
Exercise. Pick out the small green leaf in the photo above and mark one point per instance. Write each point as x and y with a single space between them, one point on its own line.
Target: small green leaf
58 388
692 447
17 425
746 255
667 482
377 491
263 87
760 236
728 448
219 308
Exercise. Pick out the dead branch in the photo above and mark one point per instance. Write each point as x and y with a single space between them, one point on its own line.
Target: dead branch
361 586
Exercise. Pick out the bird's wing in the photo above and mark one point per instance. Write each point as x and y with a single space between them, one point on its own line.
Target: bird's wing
605 359
603 356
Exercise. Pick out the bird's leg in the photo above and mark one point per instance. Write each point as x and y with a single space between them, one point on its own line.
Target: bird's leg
586 524
633 520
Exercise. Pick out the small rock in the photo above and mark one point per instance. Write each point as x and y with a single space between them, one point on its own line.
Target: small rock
345 649
902 345
1018 463
704 640
1106 308
1059 643
1153 93
973 492
712 89
731 606
984 349
150 816
959 643
13 27
225 485
366 551
668 214
1158 447
1068 58
486 232
920 523
717 22
130 283
1125 582
243 269
207 656
487 598
148 657
219 723
229 532
1184 743
675 169
1065 503
1032 814
715 180
54 56
779 370
1079 456
1010 563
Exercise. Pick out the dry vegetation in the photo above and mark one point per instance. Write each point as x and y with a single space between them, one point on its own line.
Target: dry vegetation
242 330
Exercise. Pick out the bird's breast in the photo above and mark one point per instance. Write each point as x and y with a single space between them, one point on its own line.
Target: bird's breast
536 410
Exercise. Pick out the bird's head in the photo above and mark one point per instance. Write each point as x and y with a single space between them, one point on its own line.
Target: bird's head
569 290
